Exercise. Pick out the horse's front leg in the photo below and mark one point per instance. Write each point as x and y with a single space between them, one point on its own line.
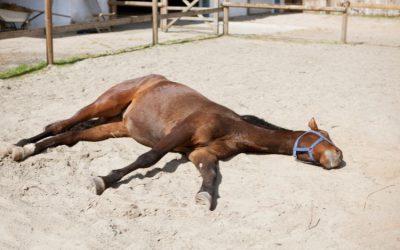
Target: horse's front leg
178 136
207 164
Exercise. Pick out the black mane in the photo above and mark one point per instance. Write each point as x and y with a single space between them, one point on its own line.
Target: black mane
261 122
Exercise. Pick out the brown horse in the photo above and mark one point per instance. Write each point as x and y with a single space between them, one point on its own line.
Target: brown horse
171 117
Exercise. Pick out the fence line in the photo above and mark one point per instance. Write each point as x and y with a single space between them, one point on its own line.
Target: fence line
155 17
343 10
282 7
103 24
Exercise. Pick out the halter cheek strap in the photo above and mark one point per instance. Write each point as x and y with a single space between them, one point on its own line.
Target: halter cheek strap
310 149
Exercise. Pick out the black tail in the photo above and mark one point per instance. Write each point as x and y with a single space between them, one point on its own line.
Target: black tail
261 122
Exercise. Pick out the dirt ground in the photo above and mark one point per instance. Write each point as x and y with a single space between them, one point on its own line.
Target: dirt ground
266 201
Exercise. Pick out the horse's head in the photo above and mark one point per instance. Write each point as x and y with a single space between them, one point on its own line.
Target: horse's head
317 147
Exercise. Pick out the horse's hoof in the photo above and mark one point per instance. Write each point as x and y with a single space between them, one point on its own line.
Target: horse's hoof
203 199
4 151
21 153
17 153
99 185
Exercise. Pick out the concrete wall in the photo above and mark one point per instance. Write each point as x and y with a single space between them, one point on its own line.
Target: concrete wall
358 11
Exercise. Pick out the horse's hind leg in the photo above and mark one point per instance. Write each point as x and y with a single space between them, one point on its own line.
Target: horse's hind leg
99 133
108 105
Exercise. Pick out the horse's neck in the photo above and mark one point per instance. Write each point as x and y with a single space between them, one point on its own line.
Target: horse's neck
262 140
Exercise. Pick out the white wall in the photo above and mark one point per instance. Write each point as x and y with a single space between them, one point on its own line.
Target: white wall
243 11
81 12
238 11
78 10
258 11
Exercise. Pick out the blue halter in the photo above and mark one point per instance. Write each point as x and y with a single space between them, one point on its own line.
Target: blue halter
309 150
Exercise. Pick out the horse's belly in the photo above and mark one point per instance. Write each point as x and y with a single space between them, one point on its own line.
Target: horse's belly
146 125
153 114
144 129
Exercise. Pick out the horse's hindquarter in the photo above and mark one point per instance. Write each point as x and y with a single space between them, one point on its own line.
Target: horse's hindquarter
155 110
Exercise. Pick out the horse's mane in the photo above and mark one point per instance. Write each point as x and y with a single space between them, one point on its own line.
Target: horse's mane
261 122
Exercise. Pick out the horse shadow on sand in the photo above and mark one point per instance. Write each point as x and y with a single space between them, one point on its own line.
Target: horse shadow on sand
171 167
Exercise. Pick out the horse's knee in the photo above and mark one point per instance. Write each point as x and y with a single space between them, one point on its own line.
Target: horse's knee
55 127
202 158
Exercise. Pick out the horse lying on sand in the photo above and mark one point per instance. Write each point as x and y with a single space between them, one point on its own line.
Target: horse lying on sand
170 117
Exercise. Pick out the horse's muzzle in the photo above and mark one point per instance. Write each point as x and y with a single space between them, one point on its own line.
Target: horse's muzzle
332 159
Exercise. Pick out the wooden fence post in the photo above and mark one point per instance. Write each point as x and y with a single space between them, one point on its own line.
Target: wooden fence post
216 17
226 20
112 10
155 21
49 31
345 15
164 10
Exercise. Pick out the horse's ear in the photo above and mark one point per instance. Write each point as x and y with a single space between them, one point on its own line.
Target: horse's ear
313 124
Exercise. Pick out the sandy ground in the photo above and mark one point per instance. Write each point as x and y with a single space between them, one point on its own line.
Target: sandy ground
266 201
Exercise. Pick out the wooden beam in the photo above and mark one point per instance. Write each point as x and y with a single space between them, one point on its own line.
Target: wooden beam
49 31
216 17
343 37
18 33
187 8
114 11
282 7
164 10
191 13
226 20
196 18
183 7
103 24
155 21
134 3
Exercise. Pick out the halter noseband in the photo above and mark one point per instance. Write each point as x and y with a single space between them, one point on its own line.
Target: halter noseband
309 150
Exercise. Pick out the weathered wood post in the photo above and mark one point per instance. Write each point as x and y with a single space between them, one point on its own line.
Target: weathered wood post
155 21
226 20
164 10
345 15
216 17
112 9
49 31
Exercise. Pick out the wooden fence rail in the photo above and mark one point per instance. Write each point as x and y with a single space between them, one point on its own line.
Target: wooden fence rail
343 10
103 24
282 7
134 3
